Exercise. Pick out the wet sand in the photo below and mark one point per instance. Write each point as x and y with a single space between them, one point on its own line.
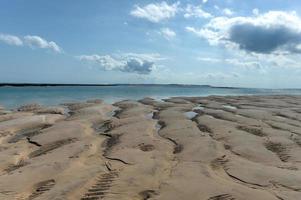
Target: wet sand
201 148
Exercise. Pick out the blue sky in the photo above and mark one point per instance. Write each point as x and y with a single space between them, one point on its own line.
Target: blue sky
224 43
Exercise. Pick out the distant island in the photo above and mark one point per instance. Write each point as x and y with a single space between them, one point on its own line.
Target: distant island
102 85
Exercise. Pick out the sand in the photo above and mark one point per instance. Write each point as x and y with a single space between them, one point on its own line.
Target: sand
193 148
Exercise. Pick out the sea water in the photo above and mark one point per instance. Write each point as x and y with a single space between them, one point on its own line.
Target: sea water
11 97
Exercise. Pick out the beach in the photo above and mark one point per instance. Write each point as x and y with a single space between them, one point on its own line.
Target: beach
194 148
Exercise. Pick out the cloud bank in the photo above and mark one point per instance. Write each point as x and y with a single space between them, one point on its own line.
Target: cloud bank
271 32
131 63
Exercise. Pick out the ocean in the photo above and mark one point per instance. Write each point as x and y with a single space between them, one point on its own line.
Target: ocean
11 97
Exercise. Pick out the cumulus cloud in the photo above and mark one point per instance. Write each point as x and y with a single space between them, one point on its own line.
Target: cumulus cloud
196 11
11 40
38 42
131 63
167 33
156 12
271 32
32 41
262 39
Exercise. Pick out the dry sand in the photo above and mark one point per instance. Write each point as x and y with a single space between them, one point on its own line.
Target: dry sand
209 148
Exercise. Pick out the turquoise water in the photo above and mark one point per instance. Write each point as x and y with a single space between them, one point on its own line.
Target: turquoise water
11 97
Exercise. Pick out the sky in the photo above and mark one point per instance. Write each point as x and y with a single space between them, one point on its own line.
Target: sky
217 42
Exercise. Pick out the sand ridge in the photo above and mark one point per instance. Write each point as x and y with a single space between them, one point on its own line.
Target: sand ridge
211 148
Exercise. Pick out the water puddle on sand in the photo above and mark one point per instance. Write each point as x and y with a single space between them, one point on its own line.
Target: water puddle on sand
190 114
67 111
198 108
230 107
114 112
149 115
158 127
279 117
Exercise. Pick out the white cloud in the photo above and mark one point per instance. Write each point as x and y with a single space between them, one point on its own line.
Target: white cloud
208 59
38 42
271 32
106 61
196 11
212 37
228 12
238 62
244 64
203 78
216 7
130 62
32 41
260 63
156 12
205 1
167 33
220 75
11 40
255 11
280 60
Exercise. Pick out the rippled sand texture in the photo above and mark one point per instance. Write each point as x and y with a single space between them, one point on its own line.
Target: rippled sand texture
210 148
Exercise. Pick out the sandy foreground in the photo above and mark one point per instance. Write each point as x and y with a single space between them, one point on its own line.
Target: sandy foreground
209 148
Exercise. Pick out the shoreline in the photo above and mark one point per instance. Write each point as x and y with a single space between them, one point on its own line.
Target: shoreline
160 99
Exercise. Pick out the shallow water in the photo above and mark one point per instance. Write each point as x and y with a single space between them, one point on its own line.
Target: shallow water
11 97
198 108
230 107
190 114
